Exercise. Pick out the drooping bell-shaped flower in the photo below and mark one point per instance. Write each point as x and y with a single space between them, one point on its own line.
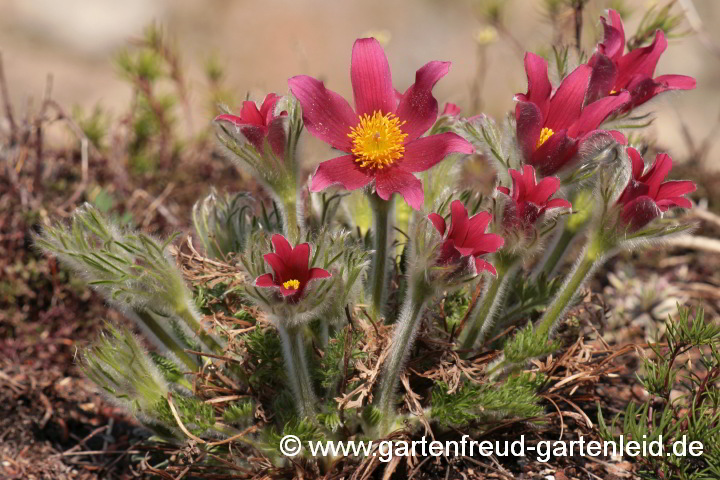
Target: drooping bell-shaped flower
260 124
382 135
529 200
466 237
647 196
615 71
552 126
291 271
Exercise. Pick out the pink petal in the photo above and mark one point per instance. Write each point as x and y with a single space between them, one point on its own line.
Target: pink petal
459 222
233 119
418 108
676 82
281 270
596 113
316 273
451 110
544 190
476 228
557 203
504 190
657 173
371 79
250 114
276 136
282 247
488 243
566 104
424 153
438 222
638 164
641 61
529 120
518 185
326 114
668 203
267 109
481 265
265 280
675 188
539 87
402 182
299 261
602 78
639 212
614 42
343 170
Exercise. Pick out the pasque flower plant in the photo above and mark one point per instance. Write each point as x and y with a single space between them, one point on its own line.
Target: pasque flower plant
304 281
382 138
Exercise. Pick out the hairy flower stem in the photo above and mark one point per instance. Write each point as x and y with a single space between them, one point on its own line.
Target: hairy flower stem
167 341
298 373
187 316
595 252
551 262
482 317
419 296
291 207
383 223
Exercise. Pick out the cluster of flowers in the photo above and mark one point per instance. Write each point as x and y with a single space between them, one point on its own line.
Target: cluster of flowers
385 142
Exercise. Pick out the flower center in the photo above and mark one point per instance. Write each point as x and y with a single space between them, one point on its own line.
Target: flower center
377 140
292 284
545 133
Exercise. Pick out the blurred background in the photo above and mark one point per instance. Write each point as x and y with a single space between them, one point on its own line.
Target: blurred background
259 44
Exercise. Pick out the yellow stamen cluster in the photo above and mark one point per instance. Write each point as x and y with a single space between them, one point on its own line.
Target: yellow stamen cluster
292 284
378 140
545 133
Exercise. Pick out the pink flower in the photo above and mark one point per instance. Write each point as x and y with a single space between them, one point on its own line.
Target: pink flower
381 136
290 266
451 110
647 196
260 124
614 72
529 199
466 237
552 126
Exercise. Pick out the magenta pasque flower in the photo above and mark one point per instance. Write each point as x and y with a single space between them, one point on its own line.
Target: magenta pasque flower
291 272
552 126
647 195
530 199
256 125
451 110
614 71
381 136
466 237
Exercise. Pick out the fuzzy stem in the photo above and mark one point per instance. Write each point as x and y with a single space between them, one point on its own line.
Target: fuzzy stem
493 296
418 297
187 316
167 341
592 256
294 354
552 261
383 223
292 212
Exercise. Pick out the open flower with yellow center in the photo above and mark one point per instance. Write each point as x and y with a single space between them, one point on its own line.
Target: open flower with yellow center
382 135
291 272
553 125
